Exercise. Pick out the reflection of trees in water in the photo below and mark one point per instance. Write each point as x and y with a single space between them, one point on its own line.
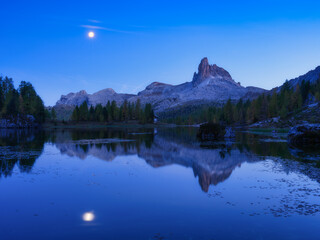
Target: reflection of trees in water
20 148
170 146
212 163
187 135
257 145
139 135
114 142
267 146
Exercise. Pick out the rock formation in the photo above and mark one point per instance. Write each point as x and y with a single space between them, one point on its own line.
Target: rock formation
304 135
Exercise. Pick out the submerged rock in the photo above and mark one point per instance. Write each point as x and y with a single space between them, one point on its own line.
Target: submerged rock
304 135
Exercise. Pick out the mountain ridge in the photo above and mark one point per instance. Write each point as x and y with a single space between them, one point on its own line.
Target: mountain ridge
311 76
210 84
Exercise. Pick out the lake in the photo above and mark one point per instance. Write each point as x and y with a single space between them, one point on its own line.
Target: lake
146 183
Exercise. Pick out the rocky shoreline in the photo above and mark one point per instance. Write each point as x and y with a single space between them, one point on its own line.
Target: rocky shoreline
18 122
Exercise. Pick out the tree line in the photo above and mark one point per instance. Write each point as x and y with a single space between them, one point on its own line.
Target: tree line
113 113
281 103
20 102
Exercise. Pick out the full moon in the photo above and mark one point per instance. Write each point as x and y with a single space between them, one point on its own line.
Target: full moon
91 34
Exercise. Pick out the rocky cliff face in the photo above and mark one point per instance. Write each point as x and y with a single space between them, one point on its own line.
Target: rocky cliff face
73 99
210 84
207 72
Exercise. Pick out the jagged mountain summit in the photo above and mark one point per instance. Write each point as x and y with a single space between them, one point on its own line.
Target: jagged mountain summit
211 84
207 72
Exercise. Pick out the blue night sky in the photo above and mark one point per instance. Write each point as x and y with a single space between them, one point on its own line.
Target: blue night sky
261 43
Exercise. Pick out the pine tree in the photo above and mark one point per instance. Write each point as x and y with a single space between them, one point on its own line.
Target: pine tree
273 105
148 113
53 114
138 109
83 111
109 112
296 99
131 110
39 112
114 111
124 111
264 108
228 112
11 104
98 115
8 91
305 88
76 114
92 113
104 114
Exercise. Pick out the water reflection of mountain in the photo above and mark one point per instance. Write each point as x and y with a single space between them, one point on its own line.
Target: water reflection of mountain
19 148
168 147
212 164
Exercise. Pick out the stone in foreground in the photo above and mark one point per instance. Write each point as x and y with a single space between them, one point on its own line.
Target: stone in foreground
304 135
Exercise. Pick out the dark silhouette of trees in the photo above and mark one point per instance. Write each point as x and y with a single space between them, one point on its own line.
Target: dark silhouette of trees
22 101
128 111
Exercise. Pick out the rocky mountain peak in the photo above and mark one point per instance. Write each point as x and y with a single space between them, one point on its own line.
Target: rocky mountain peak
74 99
204 68
108 91
205 71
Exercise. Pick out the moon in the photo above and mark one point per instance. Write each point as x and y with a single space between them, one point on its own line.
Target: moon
88 216
91 34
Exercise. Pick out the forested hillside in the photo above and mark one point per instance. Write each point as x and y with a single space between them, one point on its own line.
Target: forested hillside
287 100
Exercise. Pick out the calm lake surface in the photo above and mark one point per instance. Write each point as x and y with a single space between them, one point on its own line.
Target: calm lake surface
136 183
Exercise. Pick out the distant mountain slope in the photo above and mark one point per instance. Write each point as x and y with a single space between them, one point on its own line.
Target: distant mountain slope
101 97
211 84
311 76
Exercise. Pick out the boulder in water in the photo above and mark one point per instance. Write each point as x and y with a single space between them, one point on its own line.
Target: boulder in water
211 132
304 135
